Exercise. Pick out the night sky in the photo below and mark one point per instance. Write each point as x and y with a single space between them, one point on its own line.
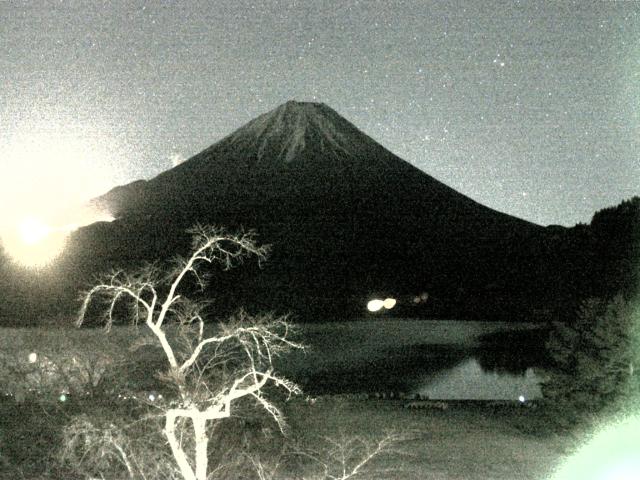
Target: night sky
531 108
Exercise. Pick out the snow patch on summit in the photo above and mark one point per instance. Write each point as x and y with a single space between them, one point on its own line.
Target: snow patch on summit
292 127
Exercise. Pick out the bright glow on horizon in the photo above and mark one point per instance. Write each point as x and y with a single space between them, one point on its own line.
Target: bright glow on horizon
33 230
49 172
612 454
33 243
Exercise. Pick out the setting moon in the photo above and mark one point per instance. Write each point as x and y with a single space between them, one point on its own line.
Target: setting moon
33 243
32 230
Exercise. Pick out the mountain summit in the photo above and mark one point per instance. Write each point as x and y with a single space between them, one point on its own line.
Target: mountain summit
345 216
284 133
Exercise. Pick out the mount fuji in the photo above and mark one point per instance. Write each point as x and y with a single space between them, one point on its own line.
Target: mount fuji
346 218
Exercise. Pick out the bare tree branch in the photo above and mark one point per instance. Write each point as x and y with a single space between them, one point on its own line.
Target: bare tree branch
242 350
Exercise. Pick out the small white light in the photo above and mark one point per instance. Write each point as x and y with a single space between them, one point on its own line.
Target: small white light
62 398
521 398
33 357
389 303
375 305
152 397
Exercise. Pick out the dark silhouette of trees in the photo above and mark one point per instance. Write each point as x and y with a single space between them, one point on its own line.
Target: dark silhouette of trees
616 237
595 359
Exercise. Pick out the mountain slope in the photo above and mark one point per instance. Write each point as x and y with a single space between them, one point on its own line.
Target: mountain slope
346 217
305 150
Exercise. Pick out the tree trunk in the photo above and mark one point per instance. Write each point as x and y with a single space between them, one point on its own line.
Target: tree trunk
200 434
176 448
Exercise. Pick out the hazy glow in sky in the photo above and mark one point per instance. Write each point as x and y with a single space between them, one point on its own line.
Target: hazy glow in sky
33 243
33 230
49 171
48 168
530 108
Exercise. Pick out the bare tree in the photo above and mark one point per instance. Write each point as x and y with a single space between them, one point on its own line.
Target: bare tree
210 371
351 457
348 457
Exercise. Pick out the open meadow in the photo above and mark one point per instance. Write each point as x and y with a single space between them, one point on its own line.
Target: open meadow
464 442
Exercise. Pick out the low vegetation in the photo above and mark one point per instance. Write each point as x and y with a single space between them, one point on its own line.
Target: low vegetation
324 433
466 442
171 398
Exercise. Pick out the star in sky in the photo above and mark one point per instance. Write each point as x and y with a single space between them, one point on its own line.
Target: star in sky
514 84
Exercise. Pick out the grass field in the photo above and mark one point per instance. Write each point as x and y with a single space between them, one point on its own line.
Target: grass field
464 442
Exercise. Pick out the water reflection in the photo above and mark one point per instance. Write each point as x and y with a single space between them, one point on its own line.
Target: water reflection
512 352
469 381
397 370
437 373
444 360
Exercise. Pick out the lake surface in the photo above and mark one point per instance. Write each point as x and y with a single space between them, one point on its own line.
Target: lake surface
445 359
438 359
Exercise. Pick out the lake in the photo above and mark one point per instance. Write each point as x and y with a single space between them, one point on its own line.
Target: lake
438 359
443 359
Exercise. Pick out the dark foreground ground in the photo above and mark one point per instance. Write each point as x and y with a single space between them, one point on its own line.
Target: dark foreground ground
465 441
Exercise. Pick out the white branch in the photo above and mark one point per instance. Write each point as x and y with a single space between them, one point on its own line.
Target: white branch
198 349
257 337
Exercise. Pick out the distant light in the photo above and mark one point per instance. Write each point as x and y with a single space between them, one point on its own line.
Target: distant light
422 298
62 398
176 159
521 398
389 303
375 305
152 397
33 357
